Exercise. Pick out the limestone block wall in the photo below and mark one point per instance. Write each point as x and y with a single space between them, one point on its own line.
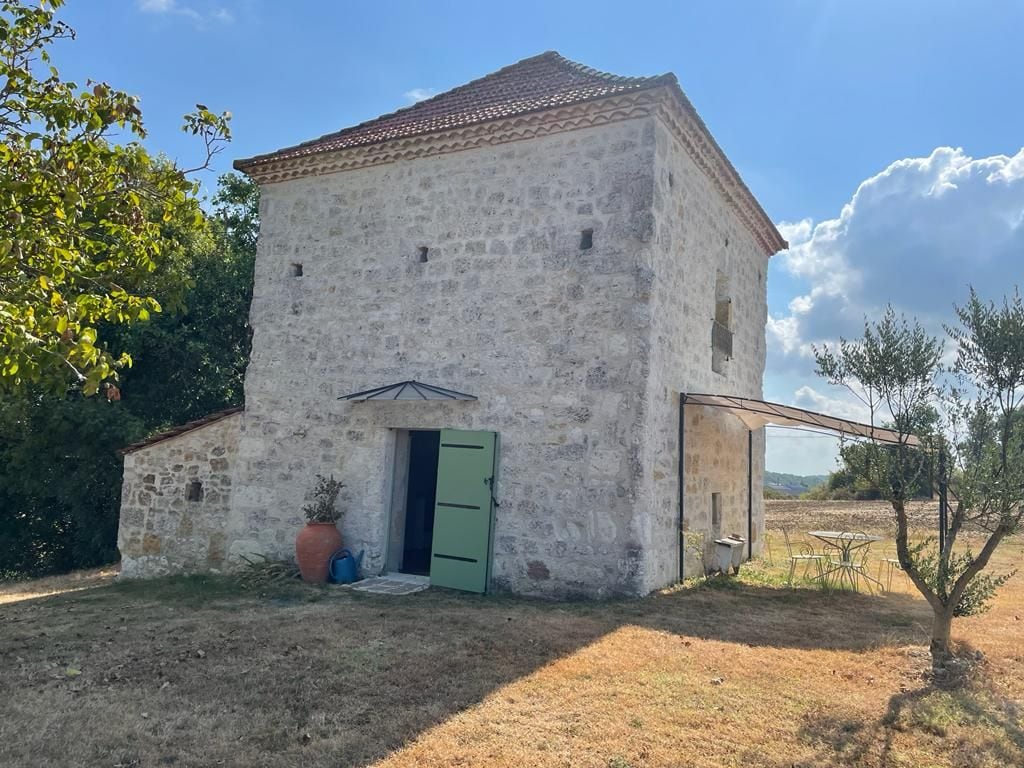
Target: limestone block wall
175 502
503 303
698 241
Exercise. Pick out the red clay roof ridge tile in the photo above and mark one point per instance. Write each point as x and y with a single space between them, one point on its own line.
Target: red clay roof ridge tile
531 84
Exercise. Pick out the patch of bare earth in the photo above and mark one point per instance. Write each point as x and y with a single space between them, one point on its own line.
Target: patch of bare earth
197 672
877 516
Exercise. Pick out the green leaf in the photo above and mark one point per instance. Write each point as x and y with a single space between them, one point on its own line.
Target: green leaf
106 223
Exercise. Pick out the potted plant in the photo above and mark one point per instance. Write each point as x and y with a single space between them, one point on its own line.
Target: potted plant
319 538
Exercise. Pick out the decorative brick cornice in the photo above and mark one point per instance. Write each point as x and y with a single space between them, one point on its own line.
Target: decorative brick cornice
667 103
490 133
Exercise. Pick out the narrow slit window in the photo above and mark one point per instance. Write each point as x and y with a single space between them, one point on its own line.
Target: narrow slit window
194 491
296 270
422 254
586 239
722 326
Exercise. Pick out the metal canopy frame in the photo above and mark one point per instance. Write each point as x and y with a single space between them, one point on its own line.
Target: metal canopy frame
760 413
408 390
756 414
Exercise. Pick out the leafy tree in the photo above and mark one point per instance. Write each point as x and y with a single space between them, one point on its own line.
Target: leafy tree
60 481
848 482
191 362
60 475
84 220
894 370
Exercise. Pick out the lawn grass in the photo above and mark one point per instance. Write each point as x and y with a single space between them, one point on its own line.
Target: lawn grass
199 671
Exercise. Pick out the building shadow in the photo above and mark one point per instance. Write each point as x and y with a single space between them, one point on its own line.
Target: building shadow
312 667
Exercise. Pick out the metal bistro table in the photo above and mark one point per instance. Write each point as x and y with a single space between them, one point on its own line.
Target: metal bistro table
848 566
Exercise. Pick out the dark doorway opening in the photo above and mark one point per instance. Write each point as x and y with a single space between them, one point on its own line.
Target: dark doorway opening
419 503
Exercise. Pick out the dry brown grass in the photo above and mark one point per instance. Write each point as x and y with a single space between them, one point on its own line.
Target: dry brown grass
14 592
196 672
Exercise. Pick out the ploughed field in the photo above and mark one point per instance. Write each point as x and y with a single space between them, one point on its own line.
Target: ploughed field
202 671
875 516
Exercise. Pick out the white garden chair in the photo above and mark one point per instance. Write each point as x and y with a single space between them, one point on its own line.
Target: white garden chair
805 554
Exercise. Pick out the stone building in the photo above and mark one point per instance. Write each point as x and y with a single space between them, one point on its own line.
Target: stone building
556 254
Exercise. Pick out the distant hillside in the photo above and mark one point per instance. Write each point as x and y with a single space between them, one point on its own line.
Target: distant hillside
791 485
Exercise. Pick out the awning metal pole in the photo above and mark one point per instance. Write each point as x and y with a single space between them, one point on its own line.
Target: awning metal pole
682 482
750 494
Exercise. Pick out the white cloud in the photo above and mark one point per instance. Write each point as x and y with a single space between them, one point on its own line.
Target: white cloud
174 8
915 235
419 94
796 451
796 233
811 399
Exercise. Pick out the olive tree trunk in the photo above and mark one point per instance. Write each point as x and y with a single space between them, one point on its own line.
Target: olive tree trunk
942 654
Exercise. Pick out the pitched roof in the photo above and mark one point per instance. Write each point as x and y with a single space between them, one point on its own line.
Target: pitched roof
181 429
539 82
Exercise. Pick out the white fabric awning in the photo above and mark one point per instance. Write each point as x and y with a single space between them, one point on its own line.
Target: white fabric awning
408 390
756 414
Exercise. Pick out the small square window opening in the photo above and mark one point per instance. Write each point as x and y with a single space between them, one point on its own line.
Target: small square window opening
194 491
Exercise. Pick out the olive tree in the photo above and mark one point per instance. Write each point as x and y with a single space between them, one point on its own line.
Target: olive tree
895 369
85 209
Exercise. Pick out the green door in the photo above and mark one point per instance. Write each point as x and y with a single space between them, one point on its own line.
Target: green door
460 557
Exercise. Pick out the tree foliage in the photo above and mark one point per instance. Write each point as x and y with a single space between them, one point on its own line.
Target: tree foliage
894 368
852 482
60 475
84 219
60 480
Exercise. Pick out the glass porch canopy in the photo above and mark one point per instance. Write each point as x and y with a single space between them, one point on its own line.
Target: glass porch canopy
760 413
408 390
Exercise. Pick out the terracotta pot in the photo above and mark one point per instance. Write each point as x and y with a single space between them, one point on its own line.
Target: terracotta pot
313 546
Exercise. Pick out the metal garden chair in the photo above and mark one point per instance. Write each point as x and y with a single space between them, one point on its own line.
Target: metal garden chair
889 565
806 555
853 563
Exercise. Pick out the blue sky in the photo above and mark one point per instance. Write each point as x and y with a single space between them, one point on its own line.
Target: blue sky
811 100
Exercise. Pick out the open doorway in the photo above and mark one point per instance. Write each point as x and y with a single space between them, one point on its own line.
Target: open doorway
413 501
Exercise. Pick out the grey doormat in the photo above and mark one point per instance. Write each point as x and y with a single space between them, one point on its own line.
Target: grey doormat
392 584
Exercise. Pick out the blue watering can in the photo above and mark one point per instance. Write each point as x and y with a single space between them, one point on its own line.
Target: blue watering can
344 566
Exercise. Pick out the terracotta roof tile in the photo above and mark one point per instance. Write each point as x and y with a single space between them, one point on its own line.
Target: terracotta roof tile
540 82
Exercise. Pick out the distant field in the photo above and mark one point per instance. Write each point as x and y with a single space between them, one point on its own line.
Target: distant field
876 516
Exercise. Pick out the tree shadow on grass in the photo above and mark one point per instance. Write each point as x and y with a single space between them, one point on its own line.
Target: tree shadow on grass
985 726
326 676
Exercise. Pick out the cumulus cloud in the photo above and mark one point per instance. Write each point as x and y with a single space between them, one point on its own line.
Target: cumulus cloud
811 399
915 235
419 94
174 8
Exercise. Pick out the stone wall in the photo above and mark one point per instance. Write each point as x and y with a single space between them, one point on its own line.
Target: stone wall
506 305
470 270
698 240
175 502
